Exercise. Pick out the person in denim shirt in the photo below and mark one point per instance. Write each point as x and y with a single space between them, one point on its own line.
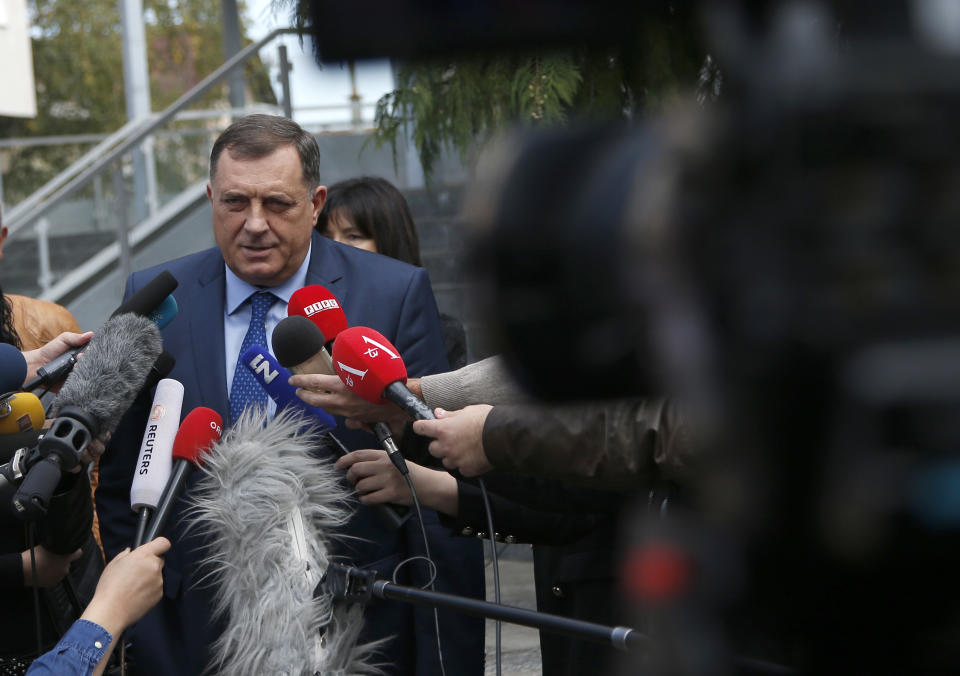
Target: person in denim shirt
130 585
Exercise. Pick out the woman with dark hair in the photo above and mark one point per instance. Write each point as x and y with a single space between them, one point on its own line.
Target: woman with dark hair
370 213
8 334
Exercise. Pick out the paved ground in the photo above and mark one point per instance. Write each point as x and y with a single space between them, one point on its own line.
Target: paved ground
519 646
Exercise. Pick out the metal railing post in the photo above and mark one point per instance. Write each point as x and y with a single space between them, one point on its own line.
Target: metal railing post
45 279
123 234
285 68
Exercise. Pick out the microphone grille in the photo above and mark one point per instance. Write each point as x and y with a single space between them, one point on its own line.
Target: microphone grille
296 339
112 370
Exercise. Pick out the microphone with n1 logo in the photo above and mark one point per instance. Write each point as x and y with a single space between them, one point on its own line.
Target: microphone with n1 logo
273 379
156 454
372 367
198 432
321 307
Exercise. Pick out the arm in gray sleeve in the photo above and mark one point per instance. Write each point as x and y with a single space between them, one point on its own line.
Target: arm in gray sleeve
484 382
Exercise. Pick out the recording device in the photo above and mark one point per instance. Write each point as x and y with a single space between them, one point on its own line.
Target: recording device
273 379
155 461
372 368
153 301
321 307
90 404
20 412
198 432
21 419
268 511
299 346
415 28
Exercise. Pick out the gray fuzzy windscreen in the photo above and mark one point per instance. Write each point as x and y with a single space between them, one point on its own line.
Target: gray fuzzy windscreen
110 372
268 511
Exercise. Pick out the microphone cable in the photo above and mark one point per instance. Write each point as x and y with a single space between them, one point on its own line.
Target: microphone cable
431 566
30 537
496 564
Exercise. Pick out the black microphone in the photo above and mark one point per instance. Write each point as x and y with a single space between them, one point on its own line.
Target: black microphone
299 346
90 404
145 302
198 432
161 369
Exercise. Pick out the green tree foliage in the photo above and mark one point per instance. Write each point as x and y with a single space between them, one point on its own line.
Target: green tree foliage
78 68
461 102
458 103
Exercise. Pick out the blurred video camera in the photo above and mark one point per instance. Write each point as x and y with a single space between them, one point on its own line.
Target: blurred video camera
786 260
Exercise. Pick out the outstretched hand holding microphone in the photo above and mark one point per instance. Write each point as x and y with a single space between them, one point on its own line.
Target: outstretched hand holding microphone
372 368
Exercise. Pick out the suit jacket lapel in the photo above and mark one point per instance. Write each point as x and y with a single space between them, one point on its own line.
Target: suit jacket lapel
206 330
326 268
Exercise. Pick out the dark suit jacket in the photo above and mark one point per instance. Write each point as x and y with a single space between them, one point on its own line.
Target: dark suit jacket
382 293
574 535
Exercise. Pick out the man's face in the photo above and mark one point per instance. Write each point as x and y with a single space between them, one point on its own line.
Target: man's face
263 215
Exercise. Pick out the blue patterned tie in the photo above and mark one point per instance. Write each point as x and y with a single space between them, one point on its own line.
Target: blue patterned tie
245 390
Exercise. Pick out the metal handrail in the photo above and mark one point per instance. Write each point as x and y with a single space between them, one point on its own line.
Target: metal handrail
17 216
142 130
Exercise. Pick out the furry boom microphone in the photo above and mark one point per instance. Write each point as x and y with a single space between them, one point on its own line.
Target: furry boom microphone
267 508
114 367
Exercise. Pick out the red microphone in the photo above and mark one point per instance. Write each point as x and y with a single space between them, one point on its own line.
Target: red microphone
371 367
198 432
319 306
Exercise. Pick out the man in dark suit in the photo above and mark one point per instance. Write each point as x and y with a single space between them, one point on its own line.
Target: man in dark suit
265 191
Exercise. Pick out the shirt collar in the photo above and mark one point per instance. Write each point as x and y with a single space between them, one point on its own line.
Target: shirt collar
238 291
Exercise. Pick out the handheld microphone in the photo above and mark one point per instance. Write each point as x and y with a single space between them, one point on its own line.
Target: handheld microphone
371 366
273 379
156 454
21 419
321 307
161 369
151 299
198 432
90 404
13 368
299 346
20 412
